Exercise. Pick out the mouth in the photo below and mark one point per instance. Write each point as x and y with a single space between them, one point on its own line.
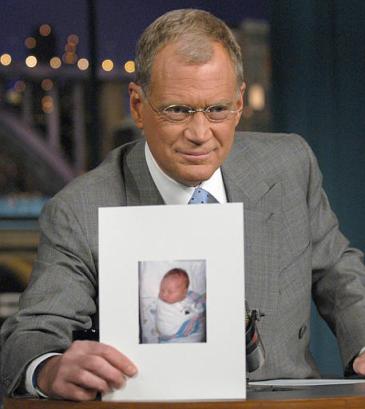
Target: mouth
195 156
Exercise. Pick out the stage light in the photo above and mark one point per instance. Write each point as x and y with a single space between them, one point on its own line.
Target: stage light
83 64
107 65
5 59
31 61
130 66
55 62
45 30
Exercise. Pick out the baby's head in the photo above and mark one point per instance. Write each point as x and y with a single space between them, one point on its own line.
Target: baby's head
174 286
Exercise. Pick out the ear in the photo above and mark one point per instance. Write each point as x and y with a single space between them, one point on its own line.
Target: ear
136 104
240 101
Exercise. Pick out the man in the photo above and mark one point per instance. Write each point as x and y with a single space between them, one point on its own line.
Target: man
187 99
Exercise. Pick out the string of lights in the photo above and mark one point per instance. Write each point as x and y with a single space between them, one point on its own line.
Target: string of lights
69 56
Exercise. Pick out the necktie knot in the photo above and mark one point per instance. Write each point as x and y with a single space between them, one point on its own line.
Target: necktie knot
201 196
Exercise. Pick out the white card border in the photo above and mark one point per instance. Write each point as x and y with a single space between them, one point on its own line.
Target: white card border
176 372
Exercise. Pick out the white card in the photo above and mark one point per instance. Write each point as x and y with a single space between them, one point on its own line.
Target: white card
190 346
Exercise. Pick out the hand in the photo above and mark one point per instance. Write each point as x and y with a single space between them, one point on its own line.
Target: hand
359 364
83 370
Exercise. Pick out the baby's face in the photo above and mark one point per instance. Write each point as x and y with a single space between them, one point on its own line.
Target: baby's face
172 289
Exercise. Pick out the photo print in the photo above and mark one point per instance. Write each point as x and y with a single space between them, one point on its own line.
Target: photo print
172 301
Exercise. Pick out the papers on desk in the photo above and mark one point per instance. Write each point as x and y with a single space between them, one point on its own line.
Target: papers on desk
137 246
305 382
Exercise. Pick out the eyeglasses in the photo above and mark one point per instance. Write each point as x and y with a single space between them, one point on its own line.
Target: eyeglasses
181 113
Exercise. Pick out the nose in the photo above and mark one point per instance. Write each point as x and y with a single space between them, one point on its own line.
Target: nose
198 128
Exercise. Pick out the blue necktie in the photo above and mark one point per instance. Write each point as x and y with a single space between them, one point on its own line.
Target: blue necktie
202 196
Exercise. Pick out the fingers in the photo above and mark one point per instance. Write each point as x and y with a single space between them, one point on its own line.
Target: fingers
84 370
107 352
102 361
96 367
116 359
74 392
359 364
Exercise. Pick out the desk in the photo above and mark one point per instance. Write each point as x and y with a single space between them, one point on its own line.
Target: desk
319 397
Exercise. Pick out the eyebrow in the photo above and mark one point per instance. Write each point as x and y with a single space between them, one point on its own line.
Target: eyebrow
221 102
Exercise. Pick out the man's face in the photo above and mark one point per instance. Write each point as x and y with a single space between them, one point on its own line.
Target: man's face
173 289
191 151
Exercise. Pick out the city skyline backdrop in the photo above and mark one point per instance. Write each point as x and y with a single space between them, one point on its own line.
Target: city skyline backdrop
118 23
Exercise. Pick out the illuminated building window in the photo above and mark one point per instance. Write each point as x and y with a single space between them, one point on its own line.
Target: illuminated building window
256 97
69 58
73 39
107 65
45 30
130 66
47 104
47 84
55 62
19 86
83 64
31 61
30 42
5 59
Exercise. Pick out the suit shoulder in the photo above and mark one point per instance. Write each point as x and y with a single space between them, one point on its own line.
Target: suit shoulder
273 146
266 141
274 154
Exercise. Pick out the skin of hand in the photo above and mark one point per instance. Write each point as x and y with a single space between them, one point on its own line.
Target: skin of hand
83 370
359 364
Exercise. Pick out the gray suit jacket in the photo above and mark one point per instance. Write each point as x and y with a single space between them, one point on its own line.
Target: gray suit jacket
293 248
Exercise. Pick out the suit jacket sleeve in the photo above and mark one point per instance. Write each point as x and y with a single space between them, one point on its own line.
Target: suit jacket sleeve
338 278
60 297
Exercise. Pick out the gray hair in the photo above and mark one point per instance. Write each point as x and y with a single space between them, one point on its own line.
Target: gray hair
193 31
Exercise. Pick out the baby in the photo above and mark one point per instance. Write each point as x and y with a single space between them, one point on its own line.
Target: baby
175 307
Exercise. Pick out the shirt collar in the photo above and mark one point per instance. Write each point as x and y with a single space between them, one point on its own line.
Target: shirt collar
174 192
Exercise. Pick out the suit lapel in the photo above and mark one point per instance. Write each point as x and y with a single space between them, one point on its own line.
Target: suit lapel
140 188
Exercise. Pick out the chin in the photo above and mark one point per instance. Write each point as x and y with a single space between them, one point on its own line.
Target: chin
196 175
